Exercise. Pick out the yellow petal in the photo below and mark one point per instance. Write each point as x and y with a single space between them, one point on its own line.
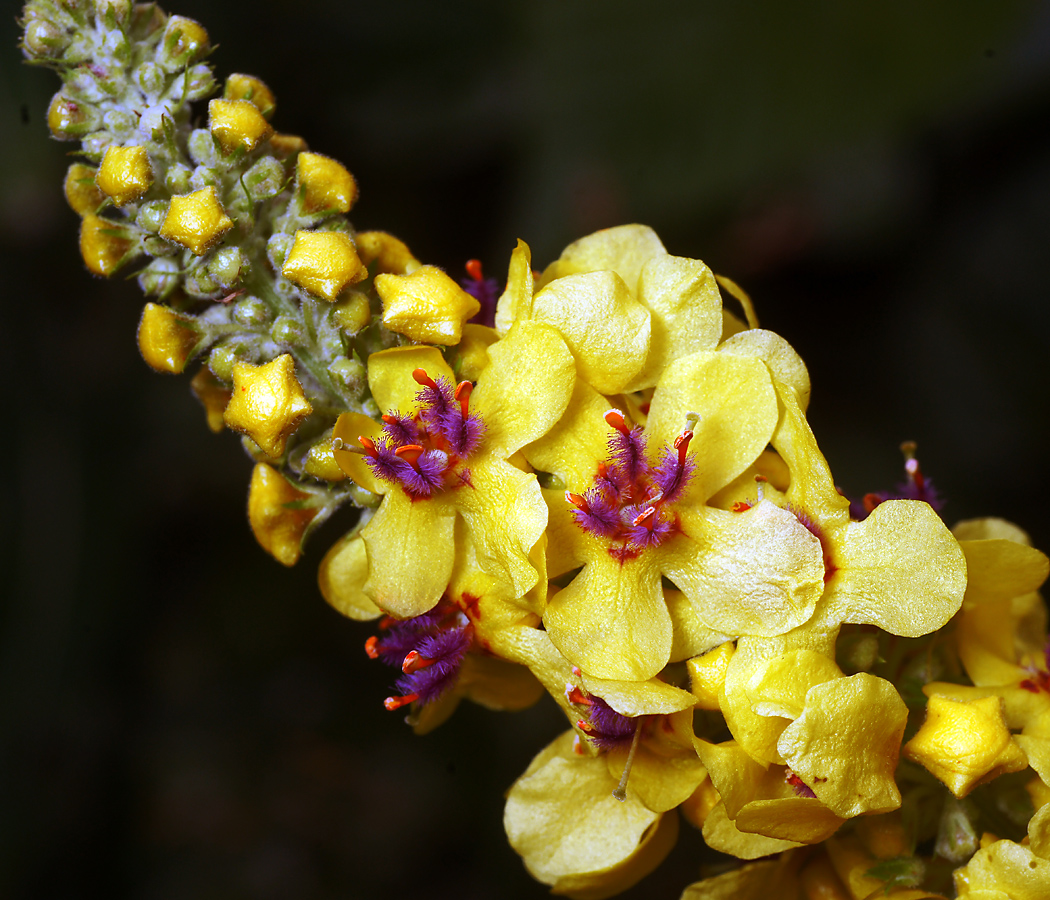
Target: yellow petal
780 684
661 780
624 250
738 778
686 312
410 553
1004 867
785 364
900 569
276 513
1020 705
577 442
990 528
986 643
707 674
506 515
734 398
721 834
605 327
516 300
348 428
755 572
802 819
640 698
568 545
390 375
525 388
497 684
342 577
1039 832
999 569
611 620
564 822
473 350
691 638
846 743
756 881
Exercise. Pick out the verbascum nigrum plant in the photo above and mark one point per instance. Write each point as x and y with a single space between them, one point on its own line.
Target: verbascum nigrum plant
597 483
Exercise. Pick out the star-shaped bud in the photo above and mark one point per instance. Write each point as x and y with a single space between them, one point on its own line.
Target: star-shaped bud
326 185
426 306
267 403
166 339
323 263
279 514
125 173
196 221
237 124
965 743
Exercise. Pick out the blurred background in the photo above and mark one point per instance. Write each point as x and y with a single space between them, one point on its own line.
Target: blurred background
181 716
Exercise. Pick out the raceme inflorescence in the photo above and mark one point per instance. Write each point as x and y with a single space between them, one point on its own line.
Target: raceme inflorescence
596 484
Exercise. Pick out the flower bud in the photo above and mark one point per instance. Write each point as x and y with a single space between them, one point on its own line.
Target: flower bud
325 184
226 265
390 254
125 174
184 42
268 403
323 263
351 312
252 89
196 221
201 147
350 373
44 38
251 312
224 357
199 82
150 78
104 244
167 340
82 194
113 13
156 246
120 123
160 278
320 462
286 331
204 177
151 215
285 145
237 125
69 119
264 179
178 178
199 282
94 145
277 514
277 249
213 395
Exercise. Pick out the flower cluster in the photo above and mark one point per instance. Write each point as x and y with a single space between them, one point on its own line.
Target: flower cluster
604 489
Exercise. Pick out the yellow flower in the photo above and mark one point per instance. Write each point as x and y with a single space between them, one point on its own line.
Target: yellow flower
572 834
447 459
425 305
1004 871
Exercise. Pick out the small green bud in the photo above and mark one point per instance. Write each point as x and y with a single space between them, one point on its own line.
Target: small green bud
277 249
151 78
199 82
94 145
226 264
178 179
156 246
159 278
113 13
350 373
251 312
122 124
45 38
957 837
205 177
369 408
201 146
201 283
69 119
223 358
184 42
151 215
286 330
79 49
265 179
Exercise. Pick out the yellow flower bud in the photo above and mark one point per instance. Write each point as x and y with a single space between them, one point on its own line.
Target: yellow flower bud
237 124
389 254
196 221
285 145
326 184
965 743
268 403
323 263
252 89
184 42
69 119
352 313
707 674
82 194
213 395
166 339
103 244
125 173
277 522
426 306
321 463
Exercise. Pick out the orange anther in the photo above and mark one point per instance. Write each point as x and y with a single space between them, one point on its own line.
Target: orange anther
368 444
463 390
421 377
410 453
414 662
389 419
473 268
585 727
645 518
392 703
576 500
372 647
575 694
615 419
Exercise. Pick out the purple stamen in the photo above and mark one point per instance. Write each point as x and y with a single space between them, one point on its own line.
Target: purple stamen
400 430
645 530
462 433
437 401
426 475
387 465
672 474
404 636
608 729
442 654
600 516
486 292
627 448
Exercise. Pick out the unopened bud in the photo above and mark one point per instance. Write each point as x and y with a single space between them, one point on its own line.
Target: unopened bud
160 278
151 215
251 312
350 373
178 179
286 330
201 147
69 119
277 249
184 42
264 179
224 357
114 13
150 78
45 38
226 266
199 82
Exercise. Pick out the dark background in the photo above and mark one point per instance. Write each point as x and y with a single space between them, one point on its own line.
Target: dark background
182 717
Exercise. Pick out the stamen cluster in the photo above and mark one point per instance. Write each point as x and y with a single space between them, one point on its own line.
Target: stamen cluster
603 725
630 498
423 452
